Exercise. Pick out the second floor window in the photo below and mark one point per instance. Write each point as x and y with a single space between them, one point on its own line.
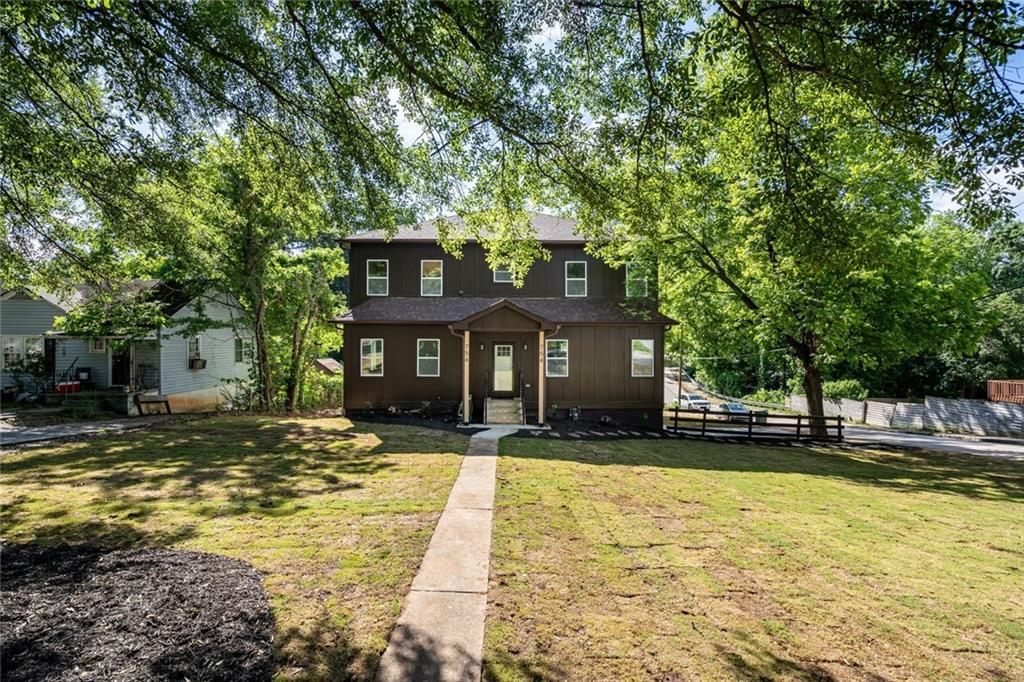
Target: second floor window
431 278
377 277
576 278
636 281
502 276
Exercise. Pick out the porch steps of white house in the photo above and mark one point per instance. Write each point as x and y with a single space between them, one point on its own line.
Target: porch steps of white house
504 411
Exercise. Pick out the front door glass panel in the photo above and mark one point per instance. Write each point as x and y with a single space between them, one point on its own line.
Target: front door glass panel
502 368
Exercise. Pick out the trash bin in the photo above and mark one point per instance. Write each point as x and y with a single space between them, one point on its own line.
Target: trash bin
761 416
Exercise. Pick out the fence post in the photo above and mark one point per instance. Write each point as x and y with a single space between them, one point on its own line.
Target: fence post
839 435
703 423
799 418
750 424
677 418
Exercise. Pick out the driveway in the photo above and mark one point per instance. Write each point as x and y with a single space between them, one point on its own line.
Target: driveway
20 435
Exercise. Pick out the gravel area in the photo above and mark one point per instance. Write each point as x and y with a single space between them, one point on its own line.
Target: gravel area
84 613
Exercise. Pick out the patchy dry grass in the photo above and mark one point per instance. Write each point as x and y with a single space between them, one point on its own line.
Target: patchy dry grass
632 560
336 516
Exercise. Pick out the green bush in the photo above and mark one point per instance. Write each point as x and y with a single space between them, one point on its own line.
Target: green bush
844 388
767 395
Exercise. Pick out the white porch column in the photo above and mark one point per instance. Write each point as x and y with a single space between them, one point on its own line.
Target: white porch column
540 377
466 407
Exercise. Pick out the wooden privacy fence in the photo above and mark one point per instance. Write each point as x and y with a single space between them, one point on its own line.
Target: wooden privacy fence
753 426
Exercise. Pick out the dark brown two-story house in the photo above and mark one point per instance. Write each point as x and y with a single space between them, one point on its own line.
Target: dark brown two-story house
430 330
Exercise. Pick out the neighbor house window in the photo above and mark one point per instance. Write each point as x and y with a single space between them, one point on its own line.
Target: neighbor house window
642 360
431 278
97 345
377 277
556 358
636 281
12 350
195 347
371 358
502 276
239 349
33 347
576 278
428 357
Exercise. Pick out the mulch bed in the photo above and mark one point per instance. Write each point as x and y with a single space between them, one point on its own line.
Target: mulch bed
438 423
585 430
84 613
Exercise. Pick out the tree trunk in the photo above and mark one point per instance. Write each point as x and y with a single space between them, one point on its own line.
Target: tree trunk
297 370
812 384
262 356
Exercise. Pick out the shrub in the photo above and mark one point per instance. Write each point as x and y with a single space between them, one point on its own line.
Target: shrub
844 388
767 395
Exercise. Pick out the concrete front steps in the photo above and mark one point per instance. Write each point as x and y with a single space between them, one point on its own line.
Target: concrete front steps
504 411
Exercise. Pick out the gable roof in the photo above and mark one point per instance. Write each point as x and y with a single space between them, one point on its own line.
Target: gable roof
430 310
549 229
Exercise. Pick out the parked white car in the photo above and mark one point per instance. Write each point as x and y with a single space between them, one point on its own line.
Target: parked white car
695 401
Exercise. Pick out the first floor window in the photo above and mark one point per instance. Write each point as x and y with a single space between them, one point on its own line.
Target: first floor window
12 350
502 276
642 360
195 347
97 345
556 358
33 348
428 357
636 281
377 277
371 357
239 349
431 278
576 278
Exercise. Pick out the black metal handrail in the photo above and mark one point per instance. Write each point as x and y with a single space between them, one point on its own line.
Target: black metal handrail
522 399
487 391
65 375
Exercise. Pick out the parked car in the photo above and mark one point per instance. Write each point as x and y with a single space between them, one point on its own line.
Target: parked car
737 412
695 401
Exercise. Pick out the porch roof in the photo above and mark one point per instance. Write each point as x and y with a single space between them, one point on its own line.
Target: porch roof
450 310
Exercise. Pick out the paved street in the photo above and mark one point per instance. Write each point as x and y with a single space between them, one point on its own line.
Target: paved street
18 435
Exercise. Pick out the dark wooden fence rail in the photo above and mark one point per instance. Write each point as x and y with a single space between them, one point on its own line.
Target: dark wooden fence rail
751 426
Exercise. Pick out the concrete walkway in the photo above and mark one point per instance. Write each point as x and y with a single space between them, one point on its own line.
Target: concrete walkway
20 435
440 633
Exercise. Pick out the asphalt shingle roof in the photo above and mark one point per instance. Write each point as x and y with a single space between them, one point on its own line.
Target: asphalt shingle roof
549 228
414 310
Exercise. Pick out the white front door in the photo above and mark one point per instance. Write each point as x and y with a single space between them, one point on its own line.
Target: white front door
502 368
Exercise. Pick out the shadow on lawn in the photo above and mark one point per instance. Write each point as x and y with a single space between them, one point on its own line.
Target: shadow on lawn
222 468
969 475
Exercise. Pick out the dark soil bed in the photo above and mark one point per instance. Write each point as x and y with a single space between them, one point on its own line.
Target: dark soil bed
438 423
83 613
591 430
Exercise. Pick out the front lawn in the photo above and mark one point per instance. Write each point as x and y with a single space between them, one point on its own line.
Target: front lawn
337 516
643 560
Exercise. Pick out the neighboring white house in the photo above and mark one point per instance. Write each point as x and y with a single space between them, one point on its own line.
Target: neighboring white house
189 370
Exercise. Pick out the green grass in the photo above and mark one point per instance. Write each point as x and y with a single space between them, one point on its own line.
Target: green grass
336 516
639 560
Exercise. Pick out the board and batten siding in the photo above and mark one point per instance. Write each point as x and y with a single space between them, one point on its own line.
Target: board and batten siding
218 349
22 315
471 276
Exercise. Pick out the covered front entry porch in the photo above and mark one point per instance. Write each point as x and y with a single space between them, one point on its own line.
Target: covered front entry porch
503 364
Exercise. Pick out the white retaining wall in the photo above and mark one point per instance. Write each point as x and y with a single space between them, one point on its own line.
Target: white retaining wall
978 417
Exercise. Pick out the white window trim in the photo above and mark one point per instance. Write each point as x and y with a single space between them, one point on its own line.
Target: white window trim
632 351
188 355
495 280
19 344
386 277
362 372
646 287
98 348
427 357
422 278
547 373
576 279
